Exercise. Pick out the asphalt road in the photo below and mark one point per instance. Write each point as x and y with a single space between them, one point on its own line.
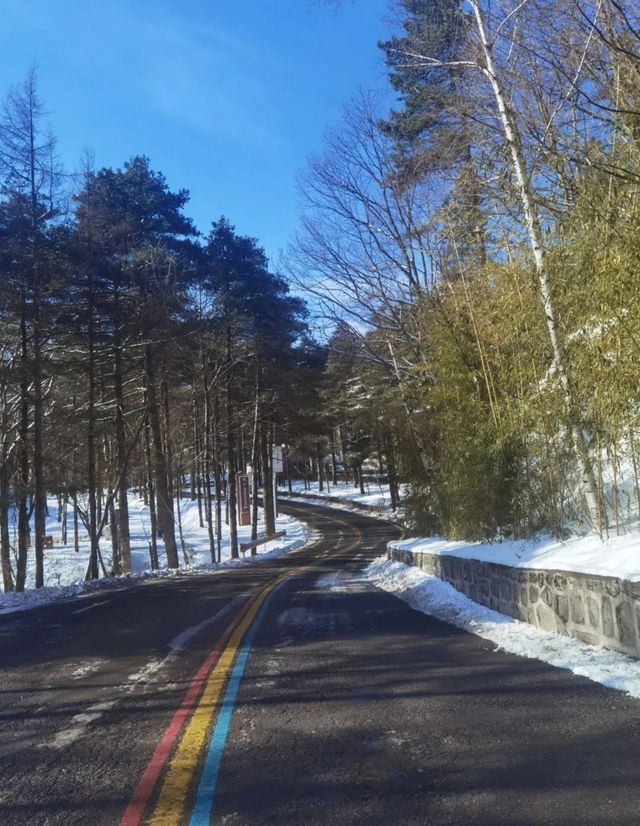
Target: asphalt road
318 701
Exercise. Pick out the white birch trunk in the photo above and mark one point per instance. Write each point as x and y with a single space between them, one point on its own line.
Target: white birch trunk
536 238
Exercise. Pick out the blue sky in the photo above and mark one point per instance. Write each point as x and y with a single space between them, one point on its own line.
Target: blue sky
227 97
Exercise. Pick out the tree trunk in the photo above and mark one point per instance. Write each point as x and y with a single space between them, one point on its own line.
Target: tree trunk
199 494
267 482
287 465
334 464
183 547
216 474
39 491
115 544
231 476
207 459
22 476
111 516
192 481
153 520
76 532
121 452
167 441
393 476
163 500
64 531
92 570
255 460
274 475
5 539
198 461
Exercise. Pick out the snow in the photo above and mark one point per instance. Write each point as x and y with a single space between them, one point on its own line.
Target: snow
64 569
80 723
618 556
376 513
432 596
86 668
376 500
376 495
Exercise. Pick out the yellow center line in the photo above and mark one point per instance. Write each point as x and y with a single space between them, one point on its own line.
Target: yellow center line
169 808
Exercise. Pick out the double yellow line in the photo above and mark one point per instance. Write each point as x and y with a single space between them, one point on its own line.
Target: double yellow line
179 780
176 787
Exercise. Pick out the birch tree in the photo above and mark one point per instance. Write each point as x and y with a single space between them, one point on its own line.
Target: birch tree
482 51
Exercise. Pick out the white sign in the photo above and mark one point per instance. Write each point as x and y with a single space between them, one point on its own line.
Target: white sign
276 459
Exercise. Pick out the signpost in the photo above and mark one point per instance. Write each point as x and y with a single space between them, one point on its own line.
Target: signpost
243 499
276 467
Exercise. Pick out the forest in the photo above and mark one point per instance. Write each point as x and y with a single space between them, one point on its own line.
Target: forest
136 353
468 252
473 235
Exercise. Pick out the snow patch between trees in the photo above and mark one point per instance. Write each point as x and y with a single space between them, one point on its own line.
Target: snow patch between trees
376 495
64 569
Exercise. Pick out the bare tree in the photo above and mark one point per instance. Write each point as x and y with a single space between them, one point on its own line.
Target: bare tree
30 174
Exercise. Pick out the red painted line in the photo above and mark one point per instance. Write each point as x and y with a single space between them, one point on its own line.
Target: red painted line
135 810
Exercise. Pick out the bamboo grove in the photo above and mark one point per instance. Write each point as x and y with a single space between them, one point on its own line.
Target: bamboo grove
476 242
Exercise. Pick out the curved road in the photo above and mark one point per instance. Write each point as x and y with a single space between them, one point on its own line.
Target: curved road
293 692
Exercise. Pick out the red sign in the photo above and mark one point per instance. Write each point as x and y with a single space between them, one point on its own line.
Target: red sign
243 498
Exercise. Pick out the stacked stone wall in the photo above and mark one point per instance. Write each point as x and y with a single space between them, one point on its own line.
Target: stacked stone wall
595 609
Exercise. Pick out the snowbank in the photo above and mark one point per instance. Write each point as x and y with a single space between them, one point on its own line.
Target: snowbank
432 596
376 496
64 569
618 556
348 498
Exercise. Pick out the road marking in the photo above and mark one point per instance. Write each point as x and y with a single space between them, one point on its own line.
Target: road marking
173 795
135 810
205 795
201 815
169 810
93 605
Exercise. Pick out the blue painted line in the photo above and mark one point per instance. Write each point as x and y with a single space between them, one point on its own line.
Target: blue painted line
203 807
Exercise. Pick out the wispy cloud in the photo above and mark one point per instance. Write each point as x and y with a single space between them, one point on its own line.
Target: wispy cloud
208 79
179 66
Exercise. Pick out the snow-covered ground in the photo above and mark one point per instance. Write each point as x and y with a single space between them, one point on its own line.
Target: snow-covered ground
376 495
64 569
439 599
618 556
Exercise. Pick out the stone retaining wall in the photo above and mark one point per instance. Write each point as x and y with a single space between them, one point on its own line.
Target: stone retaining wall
595 609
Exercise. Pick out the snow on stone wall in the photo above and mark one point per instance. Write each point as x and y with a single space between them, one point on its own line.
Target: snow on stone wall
598 610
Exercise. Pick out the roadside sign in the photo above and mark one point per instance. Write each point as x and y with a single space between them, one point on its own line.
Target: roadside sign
276 459
243 499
